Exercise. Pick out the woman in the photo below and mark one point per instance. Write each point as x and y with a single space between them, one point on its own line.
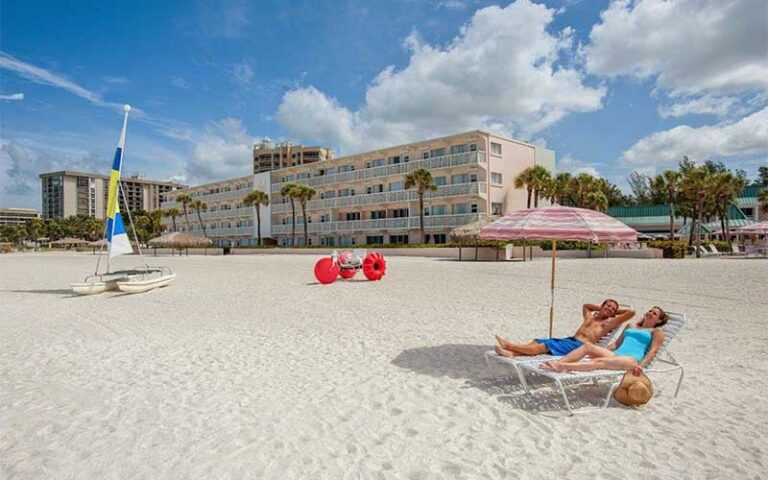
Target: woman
634 349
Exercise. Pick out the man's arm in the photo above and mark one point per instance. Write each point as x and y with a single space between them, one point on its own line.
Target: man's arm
622 317
589 308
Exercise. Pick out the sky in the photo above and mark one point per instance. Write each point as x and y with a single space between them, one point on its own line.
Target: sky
610 86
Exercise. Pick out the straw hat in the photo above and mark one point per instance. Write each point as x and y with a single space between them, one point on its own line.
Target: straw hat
634 390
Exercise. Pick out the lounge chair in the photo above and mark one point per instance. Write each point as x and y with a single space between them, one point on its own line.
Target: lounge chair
518 362
714 249
704 252
735 250
672 328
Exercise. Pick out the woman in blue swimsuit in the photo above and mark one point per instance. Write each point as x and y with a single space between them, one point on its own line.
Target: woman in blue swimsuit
634 349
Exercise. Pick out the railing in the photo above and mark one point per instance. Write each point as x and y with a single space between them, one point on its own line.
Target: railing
473 188
220 232
233 212
212 197
446 161
403 223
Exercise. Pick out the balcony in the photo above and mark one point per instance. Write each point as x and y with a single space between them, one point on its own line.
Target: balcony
475 188
403 223
230 232
446 161
234 212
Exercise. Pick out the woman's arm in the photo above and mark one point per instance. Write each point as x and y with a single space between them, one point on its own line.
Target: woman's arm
617 343
656 341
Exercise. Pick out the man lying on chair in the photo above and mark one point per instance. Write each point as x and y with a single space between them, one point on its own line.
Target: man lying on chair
598 321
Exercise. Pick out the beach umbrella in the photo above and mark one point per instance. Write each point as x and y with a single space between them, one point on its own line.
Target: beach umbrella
180 240
559 223
756 229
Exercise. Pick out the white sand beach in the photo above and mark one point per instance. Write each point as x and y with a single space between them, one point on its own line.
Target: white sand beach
245 368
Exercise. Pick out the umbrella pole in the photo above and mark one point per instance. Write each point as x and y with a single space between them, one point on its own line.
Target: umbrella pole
552 288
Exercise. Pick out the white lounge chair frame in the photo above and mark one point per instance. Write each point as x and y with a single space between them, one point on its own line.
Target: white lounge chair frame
672 328
518 362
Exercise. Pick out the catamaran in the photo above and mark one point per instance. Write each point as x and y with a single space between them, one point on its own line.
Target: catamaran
137 280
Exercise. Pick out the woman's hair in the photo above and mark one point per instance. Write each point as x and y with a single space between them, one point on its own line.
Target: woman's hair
663 317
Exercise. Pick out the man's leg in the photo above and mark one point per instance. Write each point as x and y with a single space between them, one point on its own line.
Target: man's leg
528 349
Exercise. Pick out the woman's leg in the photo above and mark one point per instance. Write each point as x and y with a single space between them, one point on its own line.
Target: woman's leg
600 363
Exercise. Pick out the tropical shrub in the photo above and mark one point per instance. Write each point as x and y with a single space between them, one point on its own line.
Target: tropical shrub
671 248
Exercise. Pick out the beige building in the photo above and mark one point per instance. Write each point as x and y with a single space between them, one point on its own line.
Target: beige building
228 222
361 199
16 216
268 157
68 193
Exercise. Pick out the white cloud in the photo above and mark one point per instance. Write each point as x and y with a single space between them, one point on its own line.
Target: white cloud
46 77
452 4
12 97
501 72
748 136
706 104
690 47
568 163
223 18
243 73
224 150
180 82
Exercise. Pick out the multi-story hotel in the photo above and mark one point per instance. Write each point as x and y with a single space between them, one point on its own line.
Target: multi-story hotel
228 222
267 157
16 216
68 193
361 199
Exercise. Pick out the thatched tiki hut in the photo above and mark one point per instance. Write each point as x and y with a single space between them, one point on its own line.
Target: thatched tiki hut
179 241
469 235
68 242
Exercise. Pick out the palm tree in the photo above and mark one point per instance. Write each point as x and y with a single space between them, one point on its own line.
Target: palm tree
762 197
155 217
304 193
257 198
290 191
596 200
172 213
422 180
556 190
668 182
580 188
35 228
198 205
696 187
185 200
540 178
526 180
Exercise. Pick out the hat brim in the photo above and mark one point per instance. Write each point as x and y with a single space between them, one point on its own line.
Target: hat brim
625 397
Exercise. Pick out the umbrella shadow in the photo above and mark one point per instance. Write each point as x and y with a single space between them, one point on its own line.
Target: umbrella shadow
466 362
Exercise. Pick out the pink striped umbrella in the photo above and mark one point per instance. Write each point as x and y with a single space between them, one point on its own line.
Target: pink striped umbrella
755 228
558 223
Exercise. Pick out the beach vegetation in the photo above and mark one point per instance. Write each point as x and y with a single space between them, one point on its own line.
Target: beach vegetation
257 199
421 179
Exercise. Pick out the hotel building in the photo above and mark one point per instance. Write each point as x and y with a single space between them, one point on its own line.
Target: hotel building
17 216
228 222
68 193
361 199
285 154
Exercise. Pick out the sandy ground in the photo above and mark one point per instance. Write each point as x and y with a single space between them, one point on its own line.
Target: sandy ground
245 368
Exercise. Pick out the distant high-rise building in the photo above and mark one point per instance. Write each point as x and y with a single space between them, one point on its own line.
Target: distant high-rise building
68 193
268 157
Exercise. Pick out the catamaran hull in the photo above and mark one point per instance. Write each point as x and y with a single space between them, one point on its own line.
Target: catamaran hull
141 286
94 288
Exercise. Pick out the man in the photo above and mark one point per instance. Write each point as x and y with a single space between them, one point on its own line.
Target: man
598 321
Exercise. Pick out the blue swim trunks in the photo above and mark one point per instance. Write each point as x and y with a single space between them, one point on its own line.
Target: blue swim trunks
560 346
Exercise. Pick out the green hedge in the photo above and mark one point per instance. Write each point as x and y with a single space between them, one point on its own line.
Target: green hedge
671 248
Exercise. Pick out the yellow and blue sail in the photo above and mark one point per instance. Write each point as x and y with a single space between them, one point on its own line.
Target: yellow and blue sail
116 236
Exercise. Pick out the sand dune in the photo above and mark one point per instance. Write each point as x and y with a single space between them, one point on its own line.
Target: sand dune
245 368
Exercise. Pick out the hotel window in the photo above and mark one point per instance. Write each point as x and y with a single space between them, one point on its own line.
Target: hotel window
325 217
463 178
437 152
398 239
396 186
374 188
425 154
439 209
459 208
378 214
346 168
393 160
458 149
472 147
495 148
406 158
346 241
439 238
330 194
496 178
352 216
439 181
496 208
374 239
398 213
303 175
473 207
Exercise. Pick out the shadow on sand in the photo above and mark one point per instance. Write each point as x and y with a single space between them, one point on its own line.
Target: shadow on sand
66 292
459 361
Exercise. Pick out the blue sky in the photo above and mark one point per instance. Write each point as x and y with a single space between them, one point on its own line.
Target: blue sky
610 86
